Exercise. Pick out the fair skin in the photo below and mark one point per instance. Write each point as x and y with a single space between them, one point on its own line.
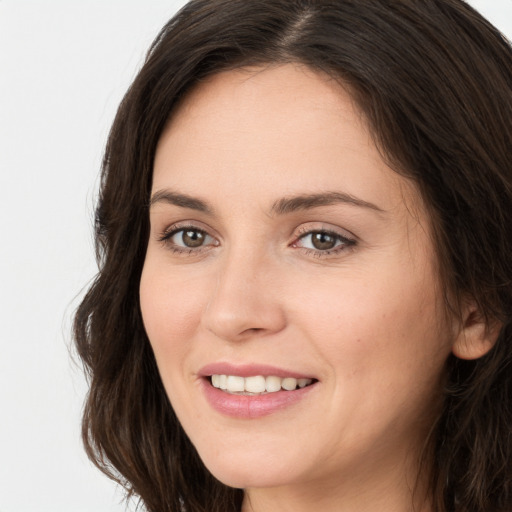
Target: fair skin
340 288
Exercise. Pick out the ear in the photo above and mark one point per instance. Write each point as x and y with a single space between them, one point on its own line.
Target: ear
476 336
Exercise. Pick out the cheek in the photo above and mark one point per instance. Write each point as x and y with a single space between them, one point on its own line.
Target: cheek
385 327
171 311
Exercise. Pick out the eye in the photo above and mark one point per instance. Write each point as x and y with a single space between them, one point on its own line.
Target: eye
191 238
187 238
325 242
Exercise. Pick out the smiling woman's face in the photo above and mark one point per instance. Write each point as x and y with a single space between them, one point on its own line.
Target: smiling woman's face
282 247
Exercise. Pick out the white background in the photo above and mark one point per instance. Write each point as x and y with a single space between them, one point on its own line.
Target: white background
64 67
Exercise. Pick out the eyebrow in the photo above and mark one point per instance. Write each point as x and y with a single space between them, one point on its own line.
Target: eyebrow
280 207
181 200
308 201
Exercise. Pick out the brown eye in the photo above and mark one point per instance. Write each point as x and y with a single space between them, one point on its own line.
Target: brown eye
192 238
323 241
188 238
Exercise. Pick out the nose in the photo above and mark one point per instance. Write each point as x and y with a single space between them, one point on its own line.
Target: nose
246 299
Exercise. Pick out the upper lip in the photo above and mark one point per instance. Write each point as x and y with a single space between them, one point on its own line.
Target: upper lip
249 370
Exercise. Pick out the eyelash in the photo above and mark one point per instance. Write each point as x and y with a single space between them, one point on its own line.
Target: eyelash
345 242
169 233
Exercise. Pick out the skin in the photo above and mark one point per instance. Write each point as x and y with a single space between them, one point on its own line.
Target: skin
366 319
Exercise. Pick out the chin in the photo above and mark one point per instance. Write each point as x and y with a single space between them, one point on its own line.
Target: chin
251 470
245 478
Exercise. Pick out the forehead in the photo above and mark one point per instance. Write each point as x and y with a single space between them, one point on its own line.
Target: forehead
285 129
267 85
266 99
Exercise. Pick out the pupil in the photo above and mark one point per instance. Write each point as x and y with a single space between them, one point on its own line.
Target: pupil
323 241
193 238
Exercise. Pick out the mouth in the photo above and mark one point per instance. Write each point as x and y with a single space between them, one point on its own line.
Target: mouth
257 384
250 391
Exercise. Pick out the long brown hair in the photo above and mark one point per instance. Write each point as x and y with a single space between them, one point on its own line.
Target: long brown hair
434 80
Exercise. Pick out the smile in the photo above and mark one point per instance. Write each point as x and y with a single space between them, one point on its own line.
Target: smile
258 384
250 391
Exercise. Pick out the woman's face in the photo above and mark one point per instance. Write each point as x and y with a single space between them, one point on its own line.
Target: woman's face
283 247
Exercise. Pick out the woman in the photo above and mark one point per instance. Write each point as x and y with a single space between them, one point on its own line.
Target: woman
304 236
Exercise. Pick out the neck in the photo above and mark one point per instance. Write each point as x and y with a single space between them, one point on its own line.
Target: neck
384 490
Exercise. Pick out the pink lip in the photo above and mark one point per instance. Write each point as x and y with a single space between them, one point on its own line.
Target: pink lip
248 370
250 406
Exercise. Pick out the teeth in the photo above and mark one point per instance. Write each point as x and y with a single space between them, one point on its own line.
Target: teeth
257 384
273 384
289 383
302 383
235 383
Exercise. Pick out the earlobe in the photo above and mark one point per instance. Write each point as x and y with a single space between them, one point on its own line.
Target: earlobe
476 335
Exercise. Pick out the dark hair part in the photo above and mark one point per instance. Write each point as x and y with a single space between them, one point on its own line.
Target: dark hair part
434 80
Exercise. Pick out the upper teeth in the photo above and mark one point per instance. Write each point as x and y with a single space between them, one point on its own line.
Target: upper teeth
257 384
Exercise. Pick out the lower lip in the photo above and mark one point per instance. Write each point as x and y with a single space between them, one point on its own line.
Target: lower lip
252 406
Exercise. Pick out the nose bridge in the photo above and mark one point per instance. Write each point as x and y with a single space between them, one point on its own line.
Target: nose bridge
243 301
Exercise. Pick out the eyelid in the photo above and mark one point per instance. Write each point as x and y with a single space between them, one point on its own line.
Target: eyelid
173 228
168 233
315 227
348 240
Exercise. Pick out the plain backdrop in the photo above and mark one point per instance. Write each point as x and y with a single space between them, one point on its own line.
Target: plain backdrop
64 67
